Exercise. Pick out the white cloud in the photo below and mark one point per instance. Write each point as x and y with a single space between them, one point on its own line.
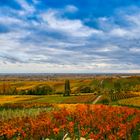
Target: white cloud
73 27
134 50
130 31
135 19
118 32
6 20
108 48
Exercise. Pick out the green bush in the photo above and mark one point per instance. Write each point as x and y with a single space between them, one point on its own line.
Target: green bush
59 93
86 89
104 100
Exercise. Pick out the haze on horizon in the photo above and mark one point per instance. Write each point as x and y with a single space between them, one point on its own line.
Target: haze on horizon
85 36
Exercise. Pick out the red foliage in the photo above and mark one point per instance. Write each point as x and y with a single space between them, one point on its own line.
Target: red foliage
89 121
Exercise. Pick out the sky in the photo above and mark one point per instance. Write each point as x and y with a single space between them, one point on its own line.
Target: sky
70 36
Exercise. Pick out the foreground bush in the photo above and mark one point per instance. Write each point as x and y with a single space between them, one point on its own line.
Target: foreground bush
104 100
97 122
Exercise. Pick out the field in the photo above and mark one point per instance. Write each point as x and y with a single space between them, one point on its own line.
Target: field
89 98
105 108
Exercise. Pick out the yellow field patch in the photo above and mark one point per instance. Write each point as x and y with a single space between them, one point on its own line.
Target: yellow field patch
13 99
68 106
137 93
130 101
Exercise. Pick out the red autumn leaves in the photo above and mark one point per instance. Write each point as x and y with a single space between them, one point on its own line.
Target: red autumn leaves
88 121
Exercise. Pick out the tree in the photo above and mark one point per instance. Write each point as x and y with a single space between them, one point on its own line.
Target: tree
67 88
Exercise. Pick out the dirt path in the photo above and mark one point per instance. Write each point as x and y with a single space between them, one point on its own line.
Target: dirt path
97 99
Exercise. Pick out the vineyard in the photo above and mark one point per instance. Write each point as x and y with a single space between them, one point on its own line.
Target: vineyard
119 96
81 99
36 110
130 102
100 122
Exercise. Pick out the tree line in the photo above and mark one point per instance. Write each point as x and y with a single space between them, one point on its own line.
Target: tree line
7 89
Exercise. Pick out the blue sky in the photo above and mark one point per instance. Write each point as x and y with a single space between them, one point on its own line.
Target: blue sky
69 36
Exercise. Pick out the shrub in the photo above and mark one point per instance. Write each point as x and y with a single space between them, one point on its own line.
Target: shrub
40 90
104 100
86 89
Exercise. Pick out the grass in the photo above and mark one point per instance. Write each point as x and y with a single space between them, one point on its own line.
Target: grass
31 98
6 114
50 99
